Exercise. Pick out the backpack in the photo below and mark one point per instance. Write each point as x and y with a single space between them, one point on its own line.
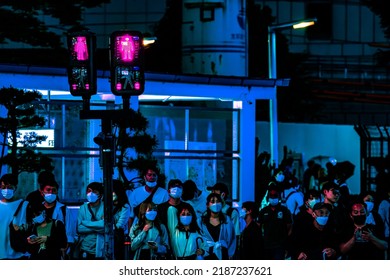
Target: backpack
284 201
230 211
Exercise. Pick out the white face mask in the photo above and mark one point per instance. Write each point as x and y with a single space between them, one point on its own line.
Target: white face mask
151 184
216 207
151 215
313 202
322 220
7 193
39 219
279 177
176 192
273 201
242 213
50 197
185 220
92 197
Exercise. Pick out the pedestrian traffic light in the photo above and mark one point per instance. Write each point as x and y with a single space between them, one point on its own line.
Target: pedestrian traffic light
127 63
81 68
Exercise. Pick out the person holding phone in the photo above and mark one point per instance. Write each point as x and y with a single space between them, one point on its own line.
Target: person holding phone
149 237
48 236
362 241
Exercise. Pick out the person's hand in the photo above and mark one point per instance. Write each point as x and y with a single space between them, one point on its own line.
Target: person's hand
302 256
367 235
329 252
41 239
147 227
152 245
32 240
199 252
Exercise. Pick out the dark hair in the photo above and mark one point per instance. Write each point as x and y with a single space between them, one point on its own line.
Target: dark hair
46 178
174 182
313 193
120 191
206 216
189 189
328 185
251 205
141 216
9 179
96 186
150 167
194 224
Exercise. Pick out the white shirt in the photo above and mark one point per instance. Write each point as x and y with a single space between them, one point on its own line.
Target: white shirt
7 211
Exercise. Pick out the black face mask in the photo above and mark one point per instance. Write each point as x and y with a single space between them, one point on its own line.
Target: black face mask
359 220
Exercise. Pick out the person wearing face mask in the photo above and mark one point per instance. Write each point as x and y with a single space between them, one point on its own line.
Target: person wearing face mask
90 223
148 192
373 217
339 216
196 196
250 245
228 209
304 217
54 209
149 237
362 241
8 207
48 239
276 223
218 229
315 241
175 190
35 197
187 240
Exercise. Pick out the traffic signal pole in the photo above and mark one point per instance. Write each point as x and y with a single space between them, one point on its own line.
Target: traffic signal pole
108 166
127 79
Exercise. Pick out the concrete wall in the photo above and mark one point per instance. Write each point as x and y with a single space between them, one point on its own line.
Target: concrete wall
311 140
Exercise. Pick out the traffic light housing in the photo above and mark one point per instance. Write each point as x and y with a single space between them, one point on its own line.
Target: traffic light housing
127 63
81 69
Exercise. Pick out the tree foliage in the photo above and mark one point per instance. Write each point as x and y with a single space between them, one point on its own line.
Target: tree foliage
134 144
380 8
23 20
21 114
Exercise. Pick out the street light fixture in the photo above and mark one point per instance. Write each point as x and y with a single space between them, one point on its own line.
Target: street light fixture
272 41
272 75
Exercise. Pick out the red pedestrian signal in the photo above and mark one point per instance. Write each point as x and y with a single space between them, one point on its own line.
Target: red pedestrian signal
127 63
81 69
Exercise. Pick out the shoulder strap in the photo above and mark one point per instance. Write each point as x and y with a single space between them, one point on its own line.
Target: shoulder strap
150 196
18 209
291 193
230 211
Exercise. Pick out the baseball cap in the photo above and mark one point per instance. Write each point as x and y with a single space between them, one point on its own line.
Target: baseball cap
222 187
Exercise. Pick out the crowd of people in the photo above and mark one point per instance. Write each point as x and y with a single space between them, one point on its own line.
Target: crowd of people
309 221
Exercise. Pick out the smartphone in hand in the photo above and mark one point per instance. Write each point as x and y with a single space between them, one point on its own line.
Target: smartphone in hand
152 243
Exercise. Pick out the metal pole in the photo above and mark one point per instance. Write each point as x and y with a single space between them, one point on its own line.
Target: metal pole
273 107
271 53
108 150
